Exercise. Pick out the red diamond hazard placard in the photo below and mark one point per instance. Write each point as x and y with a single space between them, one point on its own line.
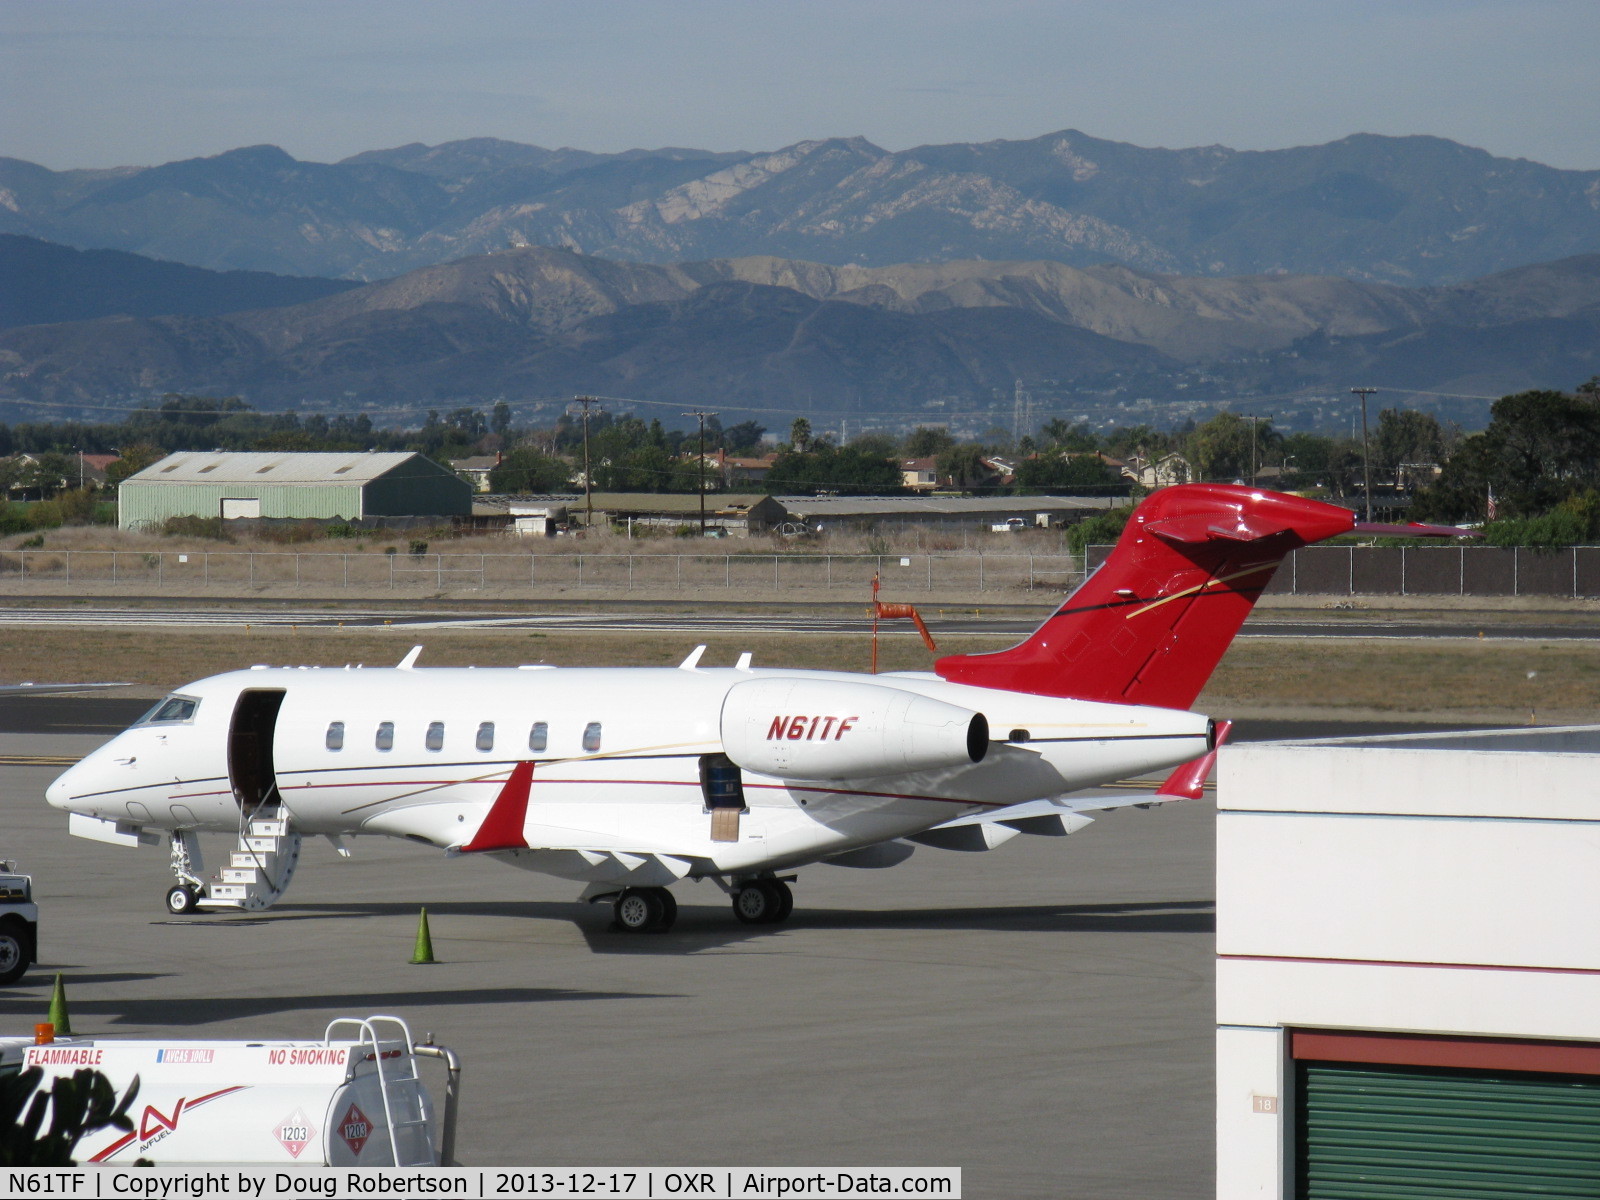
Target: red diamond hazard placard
354 1128
295 1133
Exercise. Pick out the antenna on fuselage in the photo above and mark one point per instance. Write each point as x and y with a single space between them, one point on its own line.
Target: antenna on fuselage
693 660
410 660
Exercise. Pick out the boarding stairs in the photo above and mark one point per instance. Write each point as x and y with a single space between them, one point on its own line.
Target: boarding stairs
260 868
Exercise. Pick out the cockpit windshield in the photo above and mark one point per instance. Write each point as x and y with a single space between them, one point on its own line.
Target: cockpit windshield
170 710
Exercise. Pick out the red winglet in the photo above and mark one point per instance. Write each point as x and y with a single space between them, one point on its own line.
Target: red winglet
1188 782
502 829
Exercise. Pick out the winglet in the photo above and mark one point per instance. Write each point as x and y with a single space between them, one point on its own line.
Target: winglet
410 660
1188 781
502 829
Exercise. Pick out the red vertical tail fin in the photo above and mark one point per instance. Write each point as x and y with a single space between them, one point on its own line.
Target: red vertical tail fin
1152 623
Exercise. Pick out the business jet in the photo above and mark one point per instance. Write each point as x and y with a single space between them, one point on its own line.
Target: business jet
628 780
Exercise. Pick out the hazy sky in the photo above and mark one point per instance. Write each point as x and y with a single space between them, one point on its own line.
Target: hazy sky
90 83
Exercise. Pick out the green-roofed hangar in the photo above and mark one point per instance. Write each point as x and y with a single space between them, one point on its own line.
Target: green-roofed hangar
340 486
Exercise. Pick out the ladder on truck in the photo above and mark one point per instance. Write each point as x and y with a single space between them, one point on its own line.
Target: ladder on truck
260 867
405 1110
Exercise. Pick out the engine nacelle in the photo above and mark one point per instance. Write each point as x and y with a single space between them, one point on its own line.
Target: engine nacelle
820 729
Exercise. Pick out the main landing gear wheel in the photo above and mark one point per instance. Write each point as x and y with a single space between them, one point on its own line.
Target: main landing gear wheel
763 902
183 900
645 910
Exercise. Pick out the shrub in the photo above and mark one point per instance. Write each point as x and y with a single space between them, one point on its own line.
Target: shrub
211 528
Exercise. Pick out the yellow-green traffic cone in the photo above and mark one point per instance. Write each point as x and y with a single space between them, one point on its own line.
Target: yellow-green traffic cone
58 1009
423 954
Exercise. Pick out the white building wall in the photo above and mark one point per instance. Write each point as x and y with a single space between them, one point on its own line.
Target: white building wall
1429 885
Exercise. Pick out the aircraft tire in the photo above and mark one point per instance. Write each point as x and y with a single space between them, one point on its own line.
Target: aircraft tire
758 901
669 909
639 910
785 902
14 956
183 901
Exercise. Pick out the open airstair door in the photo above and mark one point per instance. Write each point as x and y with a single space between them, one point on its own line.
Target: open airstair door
250 766
260 868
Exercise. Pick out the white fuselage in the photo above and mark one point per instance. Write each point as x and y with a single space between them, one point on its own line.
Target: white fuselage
616 790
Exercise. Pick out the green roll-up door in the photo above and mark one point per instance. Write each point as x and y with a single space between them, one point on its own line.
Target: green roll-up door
1389 1133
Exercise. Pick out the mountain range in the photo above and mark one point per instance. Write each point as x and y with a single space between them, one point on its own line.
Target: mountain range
536 323
1407 210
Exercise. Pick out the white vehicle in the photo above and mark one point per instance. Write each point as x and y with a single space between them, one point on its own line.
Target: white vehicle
629 780
19 924
353 1099
1011 525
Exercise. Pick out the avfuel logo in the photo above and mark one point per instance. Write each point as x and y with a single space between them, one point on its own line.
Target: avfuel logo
809 729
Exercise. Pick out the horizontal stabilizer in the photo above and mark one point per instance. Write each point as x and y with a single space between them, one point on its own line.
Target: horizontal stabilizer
1413 529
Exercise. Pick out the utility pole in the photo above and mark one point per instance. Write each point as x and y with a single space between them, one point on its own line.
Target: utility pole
1254 457
700 470
1366 458
586 402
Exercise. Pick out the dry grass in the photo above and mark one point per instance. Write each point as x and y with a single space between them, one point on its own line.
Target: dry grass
1442 680
159 660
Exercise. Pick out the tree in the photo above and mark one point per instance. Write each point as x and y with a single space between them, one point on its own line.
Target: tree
743 437
928 442
1062 472
1540 448
527 471
964 466
848 470
131 461
500 417
1226 446
1069 437
1407 436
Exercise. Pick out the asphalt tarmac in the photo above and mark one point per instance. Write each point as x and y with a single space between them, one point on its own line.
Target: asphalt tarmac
1039 1016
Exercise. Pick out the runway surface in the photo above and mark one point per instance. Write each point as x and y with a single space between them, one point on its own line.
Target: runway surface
800 620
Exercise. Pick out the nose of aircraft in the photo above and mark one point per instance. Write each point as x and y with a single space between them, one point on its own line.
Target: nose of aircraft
59 794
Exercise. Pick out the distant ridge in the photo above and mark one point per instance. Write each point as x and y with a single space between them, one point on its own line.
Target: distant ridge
1411 211
775 334
42 284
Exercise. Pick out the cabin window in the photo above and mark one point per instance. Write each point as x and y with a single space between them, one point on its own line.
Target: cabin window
335 738
172 709
539 737
384 739
435 737
486 736
591 736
